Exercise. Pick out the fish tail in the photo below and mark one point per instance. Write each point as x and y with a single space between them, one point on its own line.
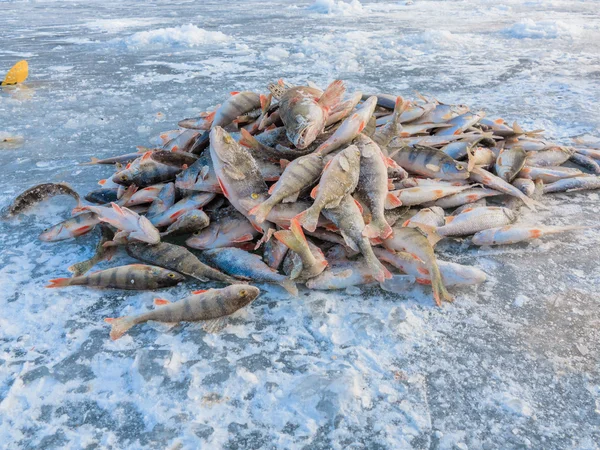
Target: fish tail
92 162
332 94
120 326
377 228
59 282
289 286
439 290
247 140
309 218
261 211
378 270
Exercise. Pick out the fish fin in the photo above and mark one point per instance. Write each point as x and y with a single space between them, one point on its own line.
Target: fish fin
249 141
234 172
439 290
449 219
234 93
349 242
243 238
291 198
102 182
81 230
17 73
358 205
391 201
289 286
93 161
265 102
277 89
222 186
147 156
377 230
120 326
344 163
314 191
214 325
59 282
517 129
283 163
332 95
161 302
309 218
200 291
430 232
117 209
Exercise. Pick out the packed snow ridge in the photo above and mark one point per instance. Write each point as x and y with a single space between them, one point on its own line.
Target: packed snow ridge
184 36
339 7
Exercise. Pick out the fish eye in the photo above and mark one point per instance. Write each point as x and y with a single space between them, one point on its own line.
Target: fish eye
242 292
460 166
124 177
171 275
254 195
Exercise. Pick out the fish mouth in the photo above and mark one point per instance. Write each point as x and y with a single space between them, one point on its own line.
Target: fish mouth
302 138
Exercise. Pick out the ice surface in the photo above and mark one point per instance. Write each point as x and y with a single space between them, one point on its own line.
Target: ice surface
327 370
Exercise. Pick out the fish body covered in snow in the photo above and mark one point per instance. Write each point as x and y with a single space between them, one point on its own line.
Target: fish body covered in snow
513 234
339 178
36 194
304 112
491 181
178 258
573 184
244 265
348 218
70 228
470 221
416 242
131 225
430 162
372 187
343 275
201 305
299 174
238 173
130 277
239 103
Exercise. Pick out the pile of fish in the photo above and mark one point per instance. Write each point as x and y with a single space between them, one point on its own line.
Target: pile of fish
313 187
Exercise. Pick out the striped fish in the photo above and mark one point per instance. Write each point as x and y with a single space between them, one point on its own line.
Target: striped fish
130 277
201 305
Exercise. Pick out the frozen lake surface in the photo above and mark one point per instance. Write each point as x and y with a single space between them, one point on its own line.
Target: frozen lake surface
513 363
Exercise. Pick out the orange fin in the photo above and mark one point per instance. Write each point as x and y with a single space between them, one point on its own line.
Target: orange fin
243 238
392 201
59 282
234 92
161 301
200 291
313 193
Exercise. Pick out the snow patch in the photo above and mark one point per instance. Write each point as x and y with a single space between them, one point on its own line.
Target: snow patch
276 53
337 7
545 29
183 36
118 25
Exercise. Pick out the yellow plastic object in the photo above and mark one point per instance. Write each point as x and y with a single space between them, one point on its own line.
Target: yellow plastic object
17 74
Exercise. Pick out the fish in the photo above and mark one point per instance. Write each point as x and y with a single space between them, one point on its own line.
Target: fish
177 258
510 162
152 168
244 265
512 234
260 150
372 187
416 242
131 225
183 142
430 162
478 204
470 221
441 113
554 156
102 196
469 195
525 185
299 174
304 112
163 200
70 228
202 122
347 218
312 259
549 174
483 157
339 178
129 277
430 217
201 305
199 177
453 274
187 223
238 175
350 128
586 162
144 195
187 204
461 123
34 195
239 103
573 184
228 228
343 110
425 194
480 175
343 275
274 253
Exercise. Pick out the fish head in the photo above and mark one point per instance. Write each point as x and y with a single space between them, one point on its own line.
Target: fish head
55 233
243 294
203 239
352 153
166 277
455 170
